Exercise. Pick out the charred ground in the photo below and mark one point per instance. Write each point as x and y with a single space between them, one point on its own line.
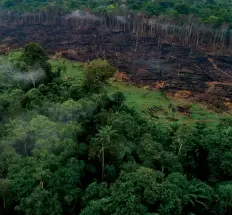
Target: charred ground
144 60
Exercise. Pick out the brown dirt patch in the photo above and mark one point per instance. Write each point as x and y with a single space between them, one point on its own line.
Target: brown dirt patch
183 94
120 76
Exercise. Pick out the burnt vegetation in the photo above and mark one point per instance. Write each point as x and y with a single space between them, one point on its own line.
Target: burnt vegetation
184 54
74 148
73 141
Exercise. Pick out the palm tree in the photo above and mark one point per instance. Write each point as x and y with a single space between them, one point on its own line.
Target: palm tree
104 141
196 194
193 194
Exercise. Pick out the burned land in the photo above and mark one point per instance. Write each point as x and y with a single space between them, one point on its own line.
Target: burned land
144 60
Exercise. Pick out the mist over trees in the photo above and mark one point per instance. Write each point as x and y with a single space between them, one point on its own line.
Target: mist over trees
198 24
209 11
67 149
73 147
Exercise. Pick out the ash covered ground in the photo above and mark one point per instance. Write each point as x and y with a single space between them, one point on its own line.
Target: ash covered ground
144 60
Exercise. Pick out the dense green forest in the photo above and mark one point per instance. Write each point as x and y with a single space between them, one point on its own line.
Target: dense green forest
72 146
212 12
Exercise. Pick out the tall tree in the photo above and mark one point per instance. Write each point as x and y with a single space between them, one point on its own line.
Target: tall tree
97 72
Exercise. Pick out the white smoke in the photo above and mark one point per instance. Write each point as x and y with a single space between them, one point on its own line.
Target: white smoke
9 75
32 76
82 15
154 65
121 19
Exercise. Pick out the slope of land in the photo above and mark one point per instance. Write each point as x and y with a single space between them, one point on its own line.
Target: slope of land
144 60
150 102
212 12
73 147
153 103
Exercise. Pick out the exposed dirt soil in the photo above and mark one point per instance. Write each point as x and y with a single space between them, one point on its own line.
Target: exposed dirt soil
143 60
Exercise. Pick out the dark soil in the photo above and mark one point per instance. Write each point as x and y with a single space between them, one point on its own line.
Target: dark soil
144 60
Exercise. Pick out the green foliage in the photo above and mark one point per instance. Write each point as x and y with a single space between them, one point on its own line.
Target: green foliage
97 72
67 150
118 97
32 99
223 199
213 12
182 8
34 58
40 202
33 53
